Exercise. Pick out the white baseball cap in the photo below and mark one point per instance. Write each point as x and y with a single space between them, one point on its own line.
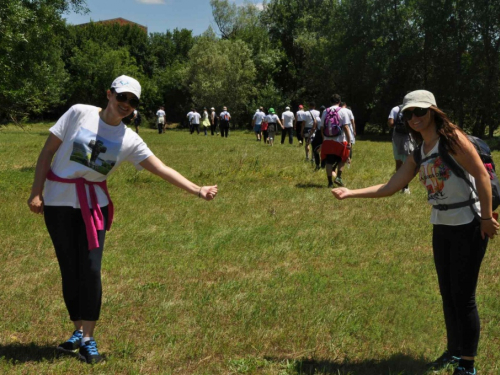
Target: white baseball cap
127 84
420 99
287 108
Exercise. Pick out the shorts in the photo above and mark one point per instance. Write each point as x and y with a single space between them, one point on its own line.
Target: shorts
256 128
402 146
161 120
307 132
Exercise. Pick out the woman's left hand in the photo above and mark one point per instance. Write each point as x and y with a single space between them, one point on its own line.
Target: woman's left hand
208 192
489 228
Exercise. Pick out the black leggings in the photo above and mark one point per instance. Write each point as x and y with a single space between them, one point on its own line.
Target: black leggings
224 128
80 268
458 253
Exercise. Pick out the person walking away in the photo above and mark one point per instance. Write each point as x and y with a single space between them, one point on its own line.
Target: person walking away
71 192
298 125
272 120
195 121
317 140
288 124
307 126
205 121
224 122
336 140
160 119
137 120
265 128
257 122
352 127
214 121
402 141
461 215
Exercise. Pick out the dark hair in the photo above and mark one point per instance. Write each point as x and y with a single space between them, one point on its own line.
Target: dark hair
335 99
447 131
342 104
312 104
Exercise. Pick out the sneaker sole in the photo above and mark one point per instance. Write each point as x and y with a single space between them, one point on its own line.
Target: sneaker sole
93 362
62 351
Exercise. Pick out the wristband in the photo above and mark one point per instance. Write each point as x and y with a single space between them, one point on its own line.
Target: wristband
488 218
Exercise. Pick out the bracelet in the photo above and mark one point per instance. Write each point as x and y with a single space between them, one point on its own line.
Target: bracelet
489 218
199 192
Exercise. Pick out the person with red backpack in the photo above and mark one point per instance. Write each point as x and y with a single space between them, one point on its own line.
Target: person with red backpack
462 217
337 137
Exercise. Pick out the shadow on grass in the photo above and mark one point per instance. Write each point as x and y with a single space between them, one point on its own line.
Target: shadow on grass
310 185
398 364
21 353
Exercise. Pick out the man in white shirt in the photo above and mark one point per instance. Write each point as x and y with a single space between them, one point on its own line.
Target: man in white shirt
335 150
188 116
352 128
308 126
298 124
195 121
288 124
160 119
257 122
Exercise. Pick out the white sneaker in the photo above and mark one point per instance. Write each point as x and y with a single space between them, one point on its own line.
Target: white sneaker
406 191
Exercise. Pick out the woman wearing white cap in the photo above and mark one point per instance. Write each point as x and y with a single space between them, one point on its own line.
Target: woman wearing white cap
88 144
462 218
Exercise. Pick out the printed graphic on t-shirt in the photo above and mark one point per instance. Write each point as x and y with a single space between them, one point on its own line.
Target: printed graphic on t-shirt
94 152
433 175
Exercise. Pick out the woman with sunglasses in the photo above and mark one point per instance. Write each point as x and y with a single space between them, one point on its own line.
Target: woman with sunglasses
460 236
87 144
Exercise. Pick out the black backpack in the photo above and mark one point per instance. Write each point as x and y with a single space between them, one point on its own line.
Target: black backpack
484 153
399 123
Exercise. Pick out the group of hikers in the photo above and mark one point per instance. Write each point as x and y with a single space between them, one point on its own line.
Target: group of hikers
73 197
328 134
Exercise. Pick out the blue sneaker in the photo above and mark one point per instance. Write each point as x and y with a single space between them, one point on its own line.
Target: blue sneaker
89 353
444 361
72 345
463 371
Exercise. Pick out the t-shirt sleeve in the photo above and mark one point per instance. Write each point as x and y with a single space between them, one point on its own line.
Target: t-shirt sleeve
140 152
393 113
61 126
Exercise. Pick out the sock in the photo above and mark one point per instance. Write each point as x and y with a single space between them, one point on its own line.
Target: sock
330 180
339 174
466 364
85 339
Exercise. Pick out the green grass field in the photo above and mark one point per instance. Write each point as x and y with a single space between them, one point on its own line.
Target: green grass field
272 277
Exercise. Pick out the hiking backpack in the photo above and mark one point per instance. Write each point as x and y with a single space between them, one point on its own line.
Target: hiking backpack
399 123
332 126
484 153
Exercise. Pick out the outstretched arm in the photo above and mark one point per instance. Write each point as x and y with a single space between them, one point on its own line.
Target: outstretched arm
35 201
156 166
402 178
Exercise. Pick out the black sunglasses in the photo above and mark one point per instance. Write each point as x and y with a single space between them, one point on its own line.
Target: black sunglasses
122 98
419 112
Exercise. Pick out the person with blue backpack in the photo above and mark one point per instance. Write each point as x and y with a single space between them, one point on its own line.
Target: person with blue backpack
337 137
462 189
224 118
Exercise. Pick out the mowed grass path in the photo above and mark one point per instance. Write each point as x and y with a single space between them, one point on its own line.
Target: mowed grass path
272 277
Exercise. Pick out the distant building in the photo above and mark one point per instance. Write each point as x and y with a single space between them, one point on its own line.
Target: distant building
120 21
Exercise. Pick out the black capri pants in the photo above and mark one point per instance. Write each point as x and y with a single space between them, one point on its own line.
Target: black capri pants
458 253
80 267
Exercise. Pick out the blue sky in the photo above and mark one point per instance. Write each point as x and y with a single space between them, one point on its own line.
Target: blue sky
156 15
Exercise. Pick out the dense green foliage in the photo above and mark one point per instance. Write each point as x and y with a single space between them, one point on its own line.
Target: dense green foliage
289 52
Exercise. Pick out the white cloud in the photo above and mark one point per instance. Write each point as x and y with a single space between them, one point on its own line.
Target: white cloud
259 6
159 2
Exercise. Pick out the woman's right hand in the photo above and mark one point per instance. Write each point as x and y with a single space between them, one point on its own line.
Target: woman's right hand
341 193
35 203
489 228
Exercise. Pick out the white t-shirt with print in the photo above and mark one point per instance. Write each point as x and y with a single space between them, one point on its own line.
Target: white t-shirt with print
258 117
90 149
344 120
309 117
288 118
272 118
